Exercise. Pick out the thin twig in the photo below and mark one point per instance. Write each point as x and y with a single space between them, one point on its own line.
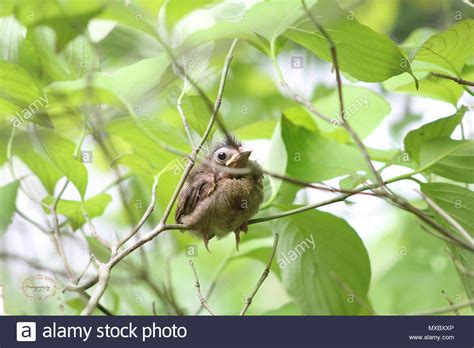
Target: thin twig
179 106
198 290
145 216
453 78
31 221
264 276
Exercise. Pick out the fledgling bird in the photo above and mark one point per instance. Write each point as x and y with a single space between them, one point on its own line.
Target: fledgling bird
215 201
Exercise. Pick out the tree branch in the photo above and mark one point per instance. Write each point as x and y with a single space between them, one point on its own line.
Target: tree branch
453 78
145 216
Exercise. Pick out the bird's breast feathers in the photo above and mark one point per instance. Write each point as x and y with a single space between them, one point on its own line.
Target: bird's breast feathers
232 202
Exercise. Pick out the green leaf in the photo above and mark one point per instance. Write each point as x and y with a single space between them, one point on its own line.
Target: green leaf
428 86
448 51
8 198
176 9
197 113
125 88
126 14
94 207
61 153
276 161
416 38
364 111
97 88
42 167
80 56
458 202
287 309
363 53
312 158
443 127
302 153
39 56
66 18
77 304
257 130
135 163
151 149
12 34
19 96
99 250
258 25
352 181
452 159
133 82
333 277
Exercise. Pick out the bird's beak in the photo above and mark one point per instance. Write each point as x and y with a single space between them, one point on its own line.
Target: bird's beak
239 160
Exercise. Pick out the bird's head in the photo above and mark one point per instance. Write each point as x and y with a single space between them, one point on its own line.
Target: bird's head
230 153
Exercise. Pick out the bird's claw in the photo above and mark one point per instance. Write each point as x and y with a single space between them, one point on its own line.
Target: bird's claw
237 239
242 228
206 242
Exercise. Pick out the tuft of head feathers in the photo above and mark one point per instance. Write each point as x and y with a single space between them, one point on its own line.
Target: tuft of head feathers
228 141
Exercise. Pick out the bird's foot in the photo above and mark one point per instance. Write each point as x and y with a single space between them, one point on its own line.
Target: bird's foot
242 228
206 242
237 238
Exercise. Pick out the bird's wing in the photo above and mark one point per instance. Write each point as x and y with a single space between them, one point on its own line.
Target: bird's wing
200 184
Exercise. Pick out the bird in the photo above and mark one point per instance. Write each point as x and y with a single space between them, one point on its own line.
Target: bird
216 199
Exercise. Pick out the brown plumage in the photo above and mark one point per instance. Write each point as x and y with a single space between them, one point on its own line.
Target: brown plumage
214 202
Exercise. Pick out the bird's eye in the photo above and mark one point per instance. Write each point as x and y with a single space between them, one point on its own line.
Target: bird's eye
221 156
